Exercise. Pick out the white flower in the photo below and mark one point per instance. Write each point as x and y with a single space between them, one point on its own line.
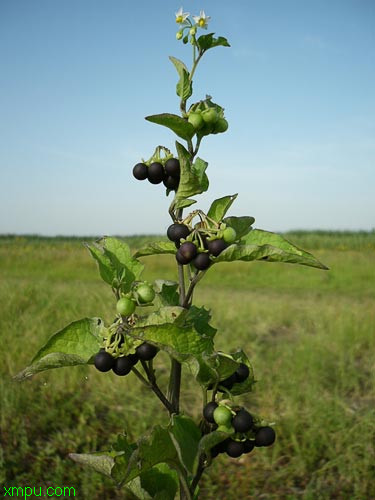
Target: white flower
181 16
202 19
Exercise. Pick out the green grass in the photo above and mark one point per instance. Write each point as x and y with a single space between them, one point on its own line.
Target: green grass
309 333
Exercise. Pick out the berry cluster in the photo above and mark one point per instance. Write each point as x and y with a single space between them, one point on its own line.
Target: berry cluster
239 376
156 172
104 361
239 422
207 118
199 251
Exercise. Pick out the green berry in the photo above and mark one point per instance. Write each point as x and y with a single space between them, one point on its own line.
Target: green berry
210 116
125 306
222 415
229 235
145 293
196 120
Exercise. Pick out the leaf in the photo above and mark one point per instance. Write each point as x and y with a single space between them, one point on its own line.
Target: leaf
105 268
263 245
242 225
178 125
181 203
184 87
185 435
161 482
75 344
210 440
208 41
220 207
156 248
167 292
100 461
193 179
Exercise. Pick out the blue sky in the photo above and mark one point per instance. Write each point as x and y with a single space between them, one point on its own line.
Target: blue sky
78 76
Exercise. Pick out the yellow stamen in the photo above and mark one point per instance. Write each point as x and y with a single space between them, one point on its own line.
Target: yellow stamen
179 19
201 22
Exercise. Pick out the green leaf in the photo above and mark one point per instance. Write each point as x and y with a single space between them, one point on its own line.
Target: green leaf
178 125
193 179
156 248
184 87
105 268
210 440
263 245
101 461
208 41
161 482
183 203
242 225
185 435
220 207
75 344
167 292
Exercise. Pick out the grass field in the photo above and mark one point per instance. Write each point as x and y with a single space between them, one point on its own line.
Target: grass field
309 333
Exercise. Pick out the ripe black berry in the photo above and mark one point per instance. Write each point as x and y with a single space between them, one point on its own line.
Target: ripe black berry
140 171
208 411
215 247
235 448
228 382
156 173
103 361
186 253
177 231
172 168
265 436
248 446
242 373
243 421
133 358
202 261
146 351
122 365
171 182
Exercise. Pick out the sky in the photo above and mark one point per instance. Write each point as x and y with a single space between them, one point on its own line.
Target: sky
77 78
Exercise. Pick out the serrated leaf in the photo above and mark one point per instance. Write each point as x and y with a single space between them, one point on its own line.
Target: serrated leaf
156 248
184 87
271 247
75 344
185 435
100 461
193 179
167 292
178 125
242 225
220 206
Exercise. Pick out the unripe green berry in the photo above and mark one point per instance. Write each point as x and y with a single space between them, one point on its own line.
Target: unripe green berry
222 415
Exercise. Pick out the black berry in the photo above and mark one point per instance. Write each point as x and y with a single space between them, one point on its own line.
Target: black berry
140 171
171 182
208 411
242 373
202 261
243 421
122 365
156 173
248 446
146 351
228 382
265 436
215 247
186 253
133 358
172 168
235 448
103 361
177 231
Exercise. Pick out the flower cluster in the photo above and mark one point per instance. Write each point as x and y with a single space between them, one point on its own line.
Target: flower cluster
182 18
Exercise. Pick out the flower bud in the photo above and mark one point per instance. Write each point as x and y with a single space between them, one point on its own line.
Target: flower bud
179 35
193 31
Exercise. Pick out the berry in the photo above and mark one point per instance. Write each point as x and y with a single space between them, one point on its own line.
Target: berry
186 253
196 120
103 361
265 436
140 171
235 448
146 351
177 231
145 293
228 382
172 168
243 421
156 173
242 373
122 366
229 235
222 415
220 126
248 446
125 306
216 246
209 116
208 411
202 261
171 182
133 358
